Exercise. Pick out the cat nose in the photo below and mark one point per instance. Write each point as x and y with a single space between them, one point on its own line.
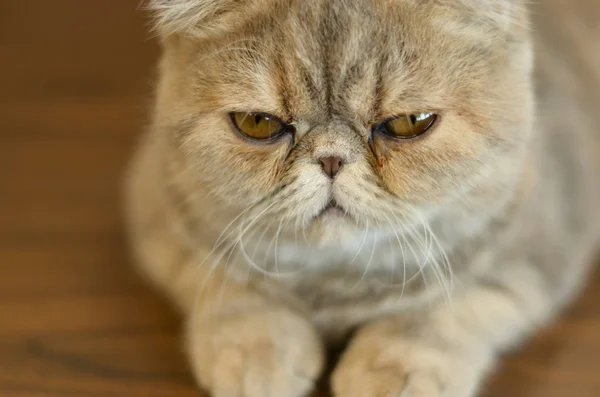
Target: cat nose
331 165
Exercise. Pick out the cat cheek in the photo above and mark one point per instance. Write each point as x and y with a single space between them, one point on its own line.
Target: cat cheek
262 165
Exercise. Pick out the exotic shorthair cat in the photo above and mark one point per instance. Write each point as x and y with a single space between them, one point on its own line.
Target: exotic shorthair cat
396 172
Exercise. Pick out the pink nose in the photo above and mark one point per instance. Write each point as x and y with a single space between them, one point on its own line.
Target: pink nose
331 165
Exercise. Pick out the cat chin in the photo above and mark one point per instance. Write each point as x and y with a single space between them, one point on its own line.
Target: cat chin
332 228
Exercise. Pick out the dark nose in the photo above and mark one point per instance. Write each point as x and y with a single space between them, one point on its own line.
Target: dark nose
331 165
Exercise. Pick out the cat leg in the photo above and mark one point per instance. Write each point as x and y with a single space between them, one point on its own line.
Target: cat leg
444 351
243 345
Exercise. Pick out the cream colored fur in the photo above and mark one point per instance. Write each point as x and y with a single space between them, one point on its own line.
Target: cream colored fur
453 248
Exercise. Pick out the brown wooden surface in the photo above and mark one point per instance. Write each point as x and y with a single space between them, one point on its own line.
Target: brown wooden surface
74 319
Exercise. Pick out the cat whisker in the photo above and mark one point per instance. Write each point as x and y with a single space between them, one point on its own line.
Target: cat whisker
445 261
368 264
276 246
434 262
392 252
404 282
250 261
421 265
360 247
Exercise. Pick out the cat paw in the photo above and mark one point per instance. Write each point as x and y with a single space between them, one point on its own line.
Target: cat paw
266 354
379 381
402 369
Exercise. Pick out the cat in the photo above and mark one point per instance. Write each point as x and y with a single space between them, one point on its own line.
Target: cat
395 172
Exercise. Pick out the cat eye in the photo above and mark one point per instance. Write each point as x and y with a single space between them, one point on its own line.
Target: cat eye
407 126
259 126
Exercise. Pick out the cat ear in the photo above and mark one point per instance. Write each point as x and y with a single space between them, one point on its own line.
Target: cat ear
199 17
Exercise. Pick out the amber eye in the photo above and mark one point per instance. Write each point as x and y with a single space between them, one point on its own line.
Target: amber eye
407 126
258 126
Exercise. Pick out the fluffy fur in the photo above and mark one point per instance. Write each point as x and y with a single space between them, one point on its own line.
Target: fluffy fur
452 248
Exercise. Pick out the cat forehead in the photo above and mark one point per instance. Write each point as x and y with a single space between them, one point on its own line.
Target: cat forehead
330 34
333 58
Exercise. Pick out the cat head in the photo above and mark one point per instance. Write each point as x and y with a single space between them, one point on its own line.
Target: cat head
332 115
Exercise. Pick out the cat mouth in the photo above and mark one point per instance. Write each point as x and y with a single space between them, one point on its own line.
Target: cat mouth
332 208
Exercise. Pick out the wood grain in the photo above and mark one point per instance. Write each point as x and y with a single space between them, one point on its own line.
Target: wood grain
74 319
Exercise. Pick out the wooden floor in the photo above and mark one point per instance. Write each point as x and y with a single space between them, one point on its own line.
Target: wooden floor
74 320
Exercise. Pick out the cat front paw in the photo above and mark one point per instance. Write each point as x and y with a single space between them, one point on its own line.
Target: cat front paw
404 369
265 354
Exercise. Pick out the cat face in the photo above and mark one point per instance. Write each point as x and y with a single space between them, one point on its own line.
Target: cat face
338 114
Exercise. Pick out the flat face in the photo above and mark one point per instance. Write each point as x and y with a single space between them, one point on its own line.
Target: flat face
419 102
